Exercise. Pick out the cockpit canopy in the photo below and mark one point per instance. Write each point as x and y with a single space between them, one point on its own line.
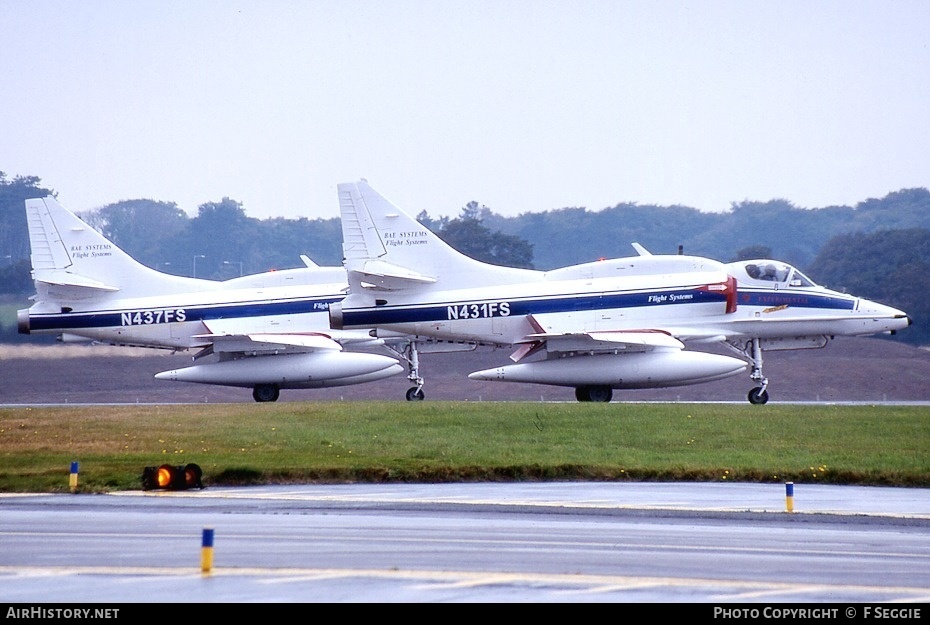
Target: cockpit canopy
767 271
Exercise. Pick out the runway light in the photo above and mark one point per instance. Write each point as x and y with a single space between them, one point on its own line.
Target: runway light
170 477
206 551
73 480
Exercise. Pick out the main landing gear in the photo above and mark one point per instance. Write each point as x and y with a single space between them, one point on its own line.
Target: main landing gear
414 393
758 395
408 349
266 392
594 393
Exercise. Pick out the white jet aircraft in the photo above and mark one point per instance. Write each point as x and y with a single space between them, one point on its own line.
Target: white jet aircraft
611 324
600 324
269 331
779 308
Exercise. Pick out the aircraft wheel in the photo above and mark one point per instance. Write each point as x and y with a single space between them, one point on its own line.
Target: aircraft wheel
266 392
601 394
583 393
758 396
415 394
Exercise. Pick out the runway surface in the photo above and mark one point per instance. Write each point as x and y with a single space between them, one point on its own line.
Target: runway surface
566 542
850 369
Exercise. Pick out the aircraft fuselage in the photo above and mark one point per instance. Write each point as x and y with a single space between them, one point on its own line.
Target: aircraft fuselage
180 321
498 314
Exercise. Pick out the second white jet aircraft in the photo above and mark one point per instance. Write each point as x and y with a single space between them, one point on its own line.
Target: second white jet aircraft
268 331
620 323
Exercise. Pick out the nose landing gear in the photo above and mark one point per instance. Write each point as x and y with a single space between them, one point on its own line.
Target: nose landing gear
758 395
752 350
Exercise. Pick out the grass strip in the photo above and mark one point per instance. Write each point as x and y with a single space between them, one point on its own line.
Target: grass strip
431 441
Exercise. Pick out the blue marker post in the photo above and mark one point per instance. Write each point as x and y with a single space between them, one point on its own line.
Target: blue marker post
789 496
206 551
74 476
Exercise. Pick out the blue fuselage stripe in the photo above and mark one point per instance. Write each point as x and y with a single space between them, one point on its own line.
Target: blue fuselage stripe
385 315
169 314
449 311
793 299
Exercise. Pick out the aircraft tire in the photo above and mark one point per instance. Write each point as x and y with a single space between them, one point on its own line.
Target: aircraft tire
758 396
415 394
266 392
601 394
582 393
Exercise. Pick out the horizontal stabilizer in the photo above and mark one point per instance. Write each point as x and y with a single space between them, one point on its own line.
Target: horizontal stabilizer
58 277
383 275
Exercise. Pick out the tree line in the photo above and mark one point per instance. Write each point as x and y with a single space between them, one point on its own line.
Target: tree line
879 248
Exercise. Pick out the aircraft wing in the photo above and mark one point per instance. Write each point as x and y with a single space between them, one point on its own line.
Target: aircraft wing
233 336
230 336
690 334
260 342
600 341
355 338
626 340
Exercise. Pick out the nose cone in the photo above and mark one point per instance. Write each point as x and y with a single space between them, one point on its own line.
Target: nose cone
883 318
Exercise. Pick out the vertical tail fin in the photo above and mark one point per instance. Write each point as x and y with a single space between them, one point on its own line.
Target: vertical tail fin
71 260
389 249
360 237
48 250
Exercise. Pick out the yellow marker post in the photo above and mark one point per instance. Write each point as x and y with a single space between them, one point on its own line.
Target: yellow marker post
74 477
789 496
206 551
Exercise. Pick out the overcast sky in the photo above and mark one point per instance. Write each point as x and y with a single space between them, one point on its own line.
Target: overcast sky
520 105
